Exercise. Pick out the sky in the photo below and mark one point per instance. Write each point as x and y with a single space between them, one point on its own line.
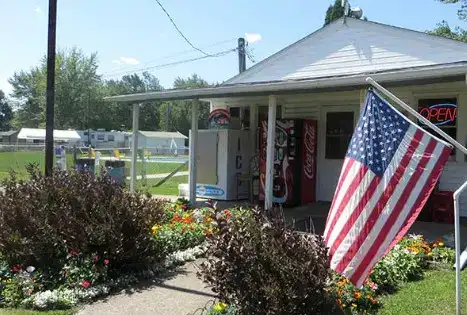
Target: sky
133 35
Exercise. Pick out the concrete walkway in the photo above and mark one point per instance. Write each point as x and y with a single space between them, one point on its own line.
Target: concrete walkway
182 294
163 175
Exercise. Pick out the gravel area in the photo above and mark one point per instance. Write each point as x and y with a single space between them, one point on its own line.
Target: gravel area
182 294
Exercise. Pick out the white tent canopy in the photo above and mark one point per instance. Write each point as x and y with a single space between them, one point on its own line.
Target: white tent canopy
39 134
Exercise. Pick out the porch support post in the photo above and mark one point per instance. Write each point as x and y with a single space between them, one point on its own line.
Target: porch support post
134 147
270 152
193 151
253 127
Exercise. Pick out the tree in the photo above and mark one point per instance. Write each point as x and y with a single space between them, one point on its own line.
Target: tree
76 91
334 12
444 30
462 13
179 112
122 113
6 113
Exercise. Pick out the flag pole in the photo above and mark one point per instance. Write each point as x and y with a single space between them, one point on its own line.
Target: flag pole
456 193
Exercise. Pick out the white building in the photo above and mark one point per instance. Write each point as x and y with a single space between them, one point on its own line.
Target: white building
323 77
154 141
37 136
105 139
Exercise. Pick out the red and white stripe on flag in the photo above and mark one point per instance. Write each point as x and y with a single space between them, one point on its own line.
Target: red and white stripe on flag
390 169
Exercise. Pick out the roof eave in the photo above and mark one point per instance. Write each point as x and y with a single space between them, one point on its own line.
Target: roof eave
283 87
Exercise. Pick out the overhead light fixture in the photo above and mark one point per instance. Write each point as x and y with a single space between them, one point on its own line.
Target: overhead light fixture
356 13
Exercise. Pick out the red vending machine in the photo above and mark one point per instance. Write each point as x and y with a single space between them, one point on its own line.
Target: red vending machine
294 176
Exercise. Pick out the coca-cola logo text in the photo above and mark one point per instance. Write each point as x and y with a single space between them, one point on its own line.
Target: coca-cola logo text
309 155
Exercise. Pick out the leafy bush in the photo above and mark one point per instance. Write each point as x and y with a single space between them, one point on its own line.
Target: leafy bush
442 255
19 285
221 308
256 263
405 262
44 219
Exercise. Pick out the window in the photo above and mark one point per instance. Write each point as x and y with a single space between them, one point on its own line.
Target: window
92 135
443 113
110 138
100 137
234 111
339 129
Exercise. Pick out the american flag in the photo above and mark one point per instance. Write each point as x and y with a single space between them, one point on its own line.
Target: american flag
389 171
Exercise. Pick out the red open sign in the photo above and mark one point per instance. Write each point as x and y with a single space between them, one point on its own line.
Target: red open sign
443 113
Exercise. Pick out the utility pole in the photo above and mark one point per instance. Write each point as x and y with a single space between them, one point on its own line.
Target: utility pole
50 96
241 55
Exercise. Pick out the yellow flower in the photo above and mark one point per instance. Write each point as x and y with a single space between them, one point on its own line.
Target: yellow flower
440 244
354 305
155 229
219 307
357 295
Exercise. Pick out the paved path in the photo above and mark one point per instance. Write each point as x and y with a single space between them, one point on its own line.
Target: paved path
181 295
163 175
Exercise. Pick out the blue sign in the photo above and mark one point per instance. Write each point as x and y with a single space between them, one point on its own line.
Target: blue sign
209 191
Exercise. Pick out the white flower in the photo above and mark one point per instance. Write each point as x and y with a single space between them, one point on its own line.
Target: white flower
30 269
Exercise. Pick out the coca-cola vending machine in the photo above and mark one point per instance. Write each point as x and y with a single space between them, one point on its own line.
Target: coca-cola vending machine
294 175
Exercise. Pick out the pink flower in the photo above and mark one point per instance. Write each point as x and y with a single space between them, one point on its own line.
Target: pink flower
16 268
96 258
74 252
106 261
372 285
85 284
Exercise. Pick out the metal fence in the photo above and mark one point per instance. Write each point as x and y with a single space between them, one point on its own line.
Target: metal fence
159 170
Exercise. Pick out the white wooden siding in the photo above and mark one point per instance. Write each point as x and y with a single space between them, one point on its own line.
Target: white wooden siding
354 48
453 176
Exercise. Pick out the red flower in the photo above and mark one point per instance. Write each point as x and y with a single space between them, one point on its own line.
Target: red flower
74 252
106 261
85 284
227 214
16 268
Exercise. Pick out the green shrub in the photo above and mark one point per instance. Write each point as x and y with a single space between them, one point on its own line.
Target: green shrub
262 267
44 219
405 262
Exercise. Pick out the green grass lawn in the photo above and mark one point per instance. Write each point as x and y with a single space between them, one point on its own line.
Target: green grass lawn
435 294
29 312
169 188
18 160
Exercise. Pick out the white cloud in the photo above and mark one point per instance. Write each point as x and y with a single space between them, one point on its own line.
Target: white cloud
129 60
118 62
252 37
37 10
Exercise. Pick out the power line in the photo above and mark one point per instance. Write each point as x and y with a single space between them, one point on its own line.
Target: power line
219 54
179 31
147 64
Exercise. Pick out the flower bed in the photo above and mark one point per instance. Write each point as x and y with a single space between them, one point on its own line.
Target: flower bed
406 262
72 237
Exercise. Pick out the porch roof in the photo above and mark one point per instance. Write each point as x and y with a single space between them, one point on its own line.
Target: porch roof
434 73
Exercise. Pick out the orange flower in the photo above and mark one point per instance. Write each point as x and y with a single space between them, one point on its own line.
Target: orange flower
357 295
